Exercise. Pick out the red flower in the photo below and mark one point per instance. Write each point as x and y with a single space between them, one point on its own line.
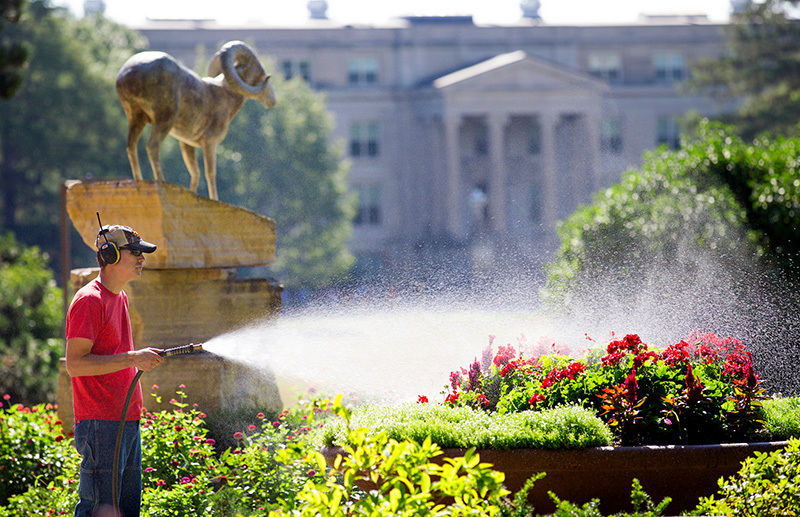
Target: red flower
452 398
251 427
422 399
535 399
237 435
482 400
260 416
504 355
694 387
630 385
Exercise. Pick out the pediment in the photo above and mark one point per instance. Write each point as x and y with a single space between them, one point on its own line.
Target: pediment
517 71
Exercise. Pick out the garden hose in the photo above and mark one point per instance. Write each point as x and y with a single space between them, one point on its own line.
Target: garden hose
178 350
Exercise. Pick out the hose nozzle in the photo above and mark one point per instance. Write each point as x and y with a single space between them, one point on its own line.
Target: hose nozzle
178 350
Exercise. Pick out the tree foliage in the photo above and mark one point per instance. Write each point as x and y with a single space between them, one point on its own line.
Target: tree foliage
65 122
30 324
761 67
13 54
282 163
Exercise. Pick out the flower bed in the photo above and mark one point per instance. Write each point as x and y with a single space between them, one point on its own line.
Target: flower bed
701 390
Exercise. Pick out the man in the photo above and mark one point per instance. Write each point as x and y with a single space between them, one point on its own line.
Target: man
102 363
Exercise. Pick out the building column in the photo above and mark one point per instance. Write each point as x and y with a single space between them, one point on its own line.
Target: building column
498 176
550 183
452 184
593 122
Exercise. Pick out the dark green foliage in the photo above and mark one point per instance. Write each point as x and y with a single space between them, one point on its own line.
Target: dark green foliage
282 163
761 66
31 334
13 54
65 122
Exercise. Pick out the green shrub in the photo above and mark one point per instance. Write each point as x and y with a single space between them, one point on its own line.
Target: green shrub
30 324
565 427
767 485
782 417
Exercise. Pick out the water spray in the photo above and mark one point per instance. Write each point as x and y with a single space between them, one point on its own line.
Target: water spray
168 352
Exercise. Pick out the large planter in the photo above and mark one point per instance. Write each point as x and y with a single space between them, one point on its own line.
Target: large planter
683 472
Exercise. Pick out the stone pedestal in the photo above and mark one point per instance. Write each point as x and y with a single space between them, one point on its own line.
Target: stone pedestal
188 291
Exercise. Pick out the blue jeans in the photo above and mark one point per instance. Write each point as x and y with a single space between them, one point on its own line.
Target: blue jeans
95 440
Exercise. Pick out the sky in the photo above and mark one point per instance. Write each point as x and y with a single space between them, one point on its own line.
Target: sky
295 12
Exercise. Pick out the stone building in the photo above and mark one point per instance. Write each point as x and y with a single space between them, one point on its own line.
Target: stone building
469 142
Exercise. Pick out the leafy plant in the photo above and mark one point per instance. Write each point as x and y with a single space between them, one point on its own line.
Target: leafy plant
34 452
768 484
406 482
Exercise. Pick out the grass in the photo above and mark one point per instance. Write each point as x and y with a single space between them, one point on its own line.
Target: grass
565 427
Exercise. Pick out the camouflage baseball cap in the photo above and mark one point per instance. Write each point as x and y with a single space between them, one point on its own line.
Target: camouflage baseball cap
124 237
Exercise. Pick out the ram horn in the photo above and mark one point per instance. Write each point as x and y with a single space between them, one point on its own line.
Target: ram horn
237 52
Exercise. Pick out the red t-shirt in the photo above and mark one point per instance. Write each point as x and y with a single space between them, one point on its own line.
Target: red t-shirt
101 316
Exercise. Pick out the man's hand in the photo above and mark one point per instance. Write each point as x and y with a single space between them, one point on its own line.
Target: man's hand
147 358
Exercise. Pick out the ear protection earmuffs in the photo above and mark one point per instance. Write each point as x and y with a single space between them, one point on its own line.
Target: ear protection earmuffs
108 250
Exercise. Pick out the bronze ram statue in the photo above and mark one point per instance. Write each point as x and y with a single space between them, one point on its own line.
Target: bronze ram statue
154 88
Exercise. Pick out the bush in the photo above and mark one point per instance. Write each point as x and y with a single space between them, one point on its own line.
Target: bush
565 427
767 485
33 451
31 330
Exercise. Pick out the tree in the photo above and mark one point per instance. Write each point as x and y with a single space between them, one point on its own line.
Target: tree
13 54
281 163
65 122
761 67
31 332
701 237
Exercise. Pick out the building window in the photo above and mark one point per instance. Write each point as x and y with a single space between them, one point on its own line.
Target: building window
363 139
296 68
534 136
369 205
481 142
606 66
669 67
611 136
362 71
668 132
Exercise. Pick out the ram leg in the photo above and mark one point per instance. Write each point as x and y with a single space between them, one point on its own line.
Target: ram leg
189 154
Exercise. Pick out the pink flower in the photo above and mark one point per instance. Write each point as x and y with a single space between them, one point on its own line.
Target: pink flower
260 416
237 435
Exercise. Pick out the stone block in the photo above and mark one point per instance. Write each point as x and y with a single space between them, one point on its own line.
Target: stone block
191 231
